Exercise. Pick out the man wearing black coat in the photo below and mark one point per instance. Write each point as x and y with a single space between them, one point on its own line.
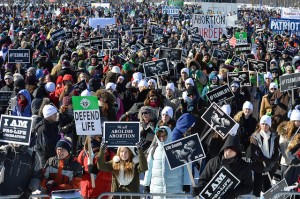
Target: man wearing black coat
230 157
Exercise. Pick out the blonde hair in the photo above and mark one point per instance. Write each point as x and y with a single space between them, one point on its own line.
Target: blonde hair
128 165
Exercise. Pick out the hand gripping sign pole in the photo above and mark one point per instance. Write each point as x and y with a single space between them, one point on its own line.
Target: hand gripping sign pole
90 152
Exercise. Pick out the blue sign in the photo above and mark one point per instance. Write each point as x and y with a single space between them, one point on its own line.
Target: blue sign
121 133
279 25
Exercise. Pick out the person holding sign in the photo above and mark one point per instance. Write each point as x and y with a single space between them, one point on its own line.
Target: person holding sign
125 168
230 157
159 178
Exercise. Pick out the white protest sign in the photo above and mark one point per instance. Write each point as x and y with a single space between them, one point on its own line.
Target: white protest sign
93 22
211 27
87 115
290 13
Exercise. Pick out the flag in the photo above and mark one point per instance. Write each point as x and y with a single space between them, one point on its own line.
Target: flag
11 32
232 42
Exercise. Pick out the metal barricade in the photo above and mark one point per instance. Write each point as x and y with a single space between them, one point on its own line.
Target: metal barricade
144 195
286 194
38 196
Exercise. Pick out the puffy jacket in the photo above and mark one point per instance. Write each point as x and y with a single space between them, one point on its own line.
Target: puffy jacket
159 176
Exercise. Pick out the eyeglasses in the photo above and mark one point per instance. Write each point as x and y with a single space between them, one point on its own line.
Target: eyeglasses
145 113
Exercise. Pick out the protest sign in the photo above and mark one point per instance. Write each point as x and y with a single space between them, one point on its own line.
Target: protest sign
292 51
222 181
156 68
270 45
220 54
279 187
211 27
18 56
137 31
219 94
290 13
69 34
157 31
257 65
194 30
242 77
5 97
170 10
96 42
235 59
289 82
15 129
110 44
241 38
58 35
172 54
121 133
87 115
218 120
94 22
184 151
279 25
243 49
197 38
85 43
125 27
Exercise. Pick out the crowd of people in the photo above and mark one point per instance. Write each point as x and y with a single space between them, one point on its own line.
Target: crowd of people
168 107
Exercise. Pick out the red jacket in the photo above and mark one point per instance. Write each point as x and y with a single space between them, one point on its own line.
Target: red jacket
102 180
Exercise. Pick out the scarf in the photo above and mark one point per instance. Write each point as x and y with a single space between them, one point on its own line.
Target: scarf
265 145
22 104
154 104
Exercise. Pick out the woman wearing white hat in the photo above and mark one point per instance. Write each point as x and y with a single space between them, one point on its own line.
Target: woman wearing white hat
264 155
171 98
266 104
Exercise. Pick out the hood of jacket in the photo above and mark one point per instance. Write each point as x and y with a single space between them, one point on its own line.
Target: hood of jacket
232 142
169 135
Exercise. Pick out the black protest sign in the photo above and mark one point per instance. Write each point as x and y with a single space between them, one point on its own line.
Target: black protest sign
157 31
219 94
184 151
194 30
125 27
279 187
69 34
257 65
85 43
121 133
96 42
5 97
18 56
172 54
242 77
220 54
15 129
137 31
270 45
197 39
235 59
140 45
218 120
156 68
58 35
243 49
222 181
289 82
292 51
110 44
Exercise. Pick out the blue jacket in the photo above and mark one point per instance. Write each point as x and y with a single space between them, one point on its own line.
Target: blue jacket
27 111
183 123
159 176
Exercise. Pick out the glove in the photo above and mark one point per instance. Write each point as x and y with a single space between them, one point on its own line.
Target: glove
92 169
295 161
26 193
139 145
146 189
196 191
103 145
186 188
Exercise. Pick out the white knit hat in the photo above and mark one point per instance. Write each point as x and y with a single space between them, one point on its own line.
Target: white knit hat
168 111
116 69
268 75
50 87
171 86
143 83
248 105
137 75
49 110
111 86
226 109
266 119
185 70
153 81
85 93
235 84
273 85
189 81
295 116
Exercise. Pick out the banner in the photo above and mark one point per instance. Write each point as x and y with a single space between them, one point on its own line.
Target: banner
257 65
172 54
242 77
222 181
171 10
279 187
58 35
289 82
110 44
279 25
220 94
5 97
241 38
156 68
184 151
290 13
218 120
121 133
102 22
220 54
18 56
15 129
211 27
235 59
96 42
87 115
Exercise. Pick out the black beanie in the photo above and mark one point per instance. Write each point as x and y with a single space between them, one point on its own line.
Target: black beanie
94 84
20 83
64 143
35 105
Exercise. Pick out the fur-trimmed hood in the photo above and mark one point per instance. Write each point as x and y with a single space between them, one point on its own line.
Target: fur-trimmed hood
294 145
282 128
